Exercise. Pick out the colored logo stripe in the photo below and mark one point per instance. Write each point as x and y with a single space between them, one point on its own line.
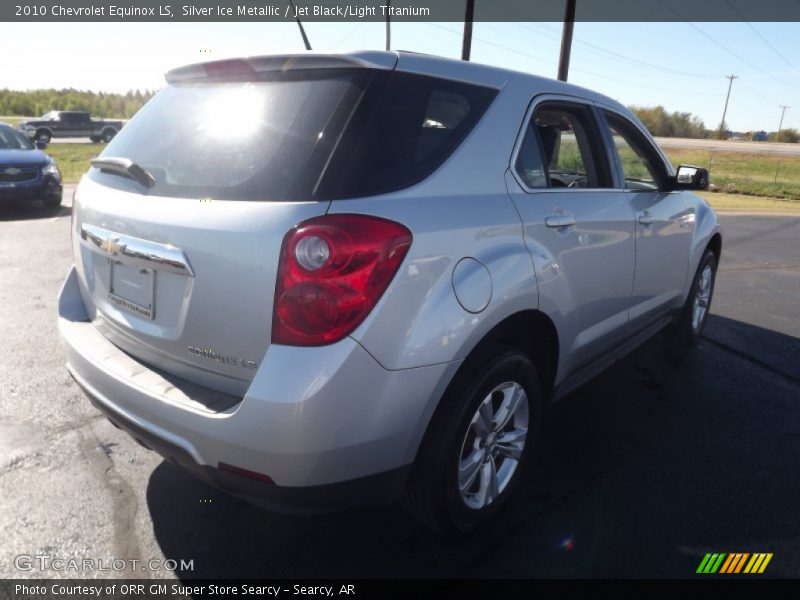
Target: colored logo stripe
720 562
758 563
711 563
734 563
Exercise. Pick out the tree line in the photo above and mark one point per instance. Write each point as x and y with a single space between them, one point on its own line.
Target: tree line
662 123
34 103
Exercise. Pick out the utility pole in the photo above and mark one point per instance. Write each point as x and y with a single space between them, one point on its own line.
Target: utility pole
780 125
566 40
300 25
725 110
388 26
466 46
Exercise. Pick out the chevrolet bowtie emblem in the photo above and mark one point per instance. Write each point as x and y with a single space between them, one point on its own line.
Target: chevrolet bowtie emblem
12 171
112 245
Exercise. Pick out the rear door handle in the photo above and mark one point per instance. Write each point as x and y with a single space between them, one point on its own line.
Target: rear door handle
647 219
556 221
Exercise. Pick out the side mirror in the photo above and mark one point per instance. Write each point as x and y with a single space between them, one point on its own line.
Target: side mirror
40 144
691 178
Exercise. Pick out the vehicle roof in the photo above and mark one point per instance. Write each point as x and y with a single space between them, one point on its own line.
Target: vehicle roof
412 62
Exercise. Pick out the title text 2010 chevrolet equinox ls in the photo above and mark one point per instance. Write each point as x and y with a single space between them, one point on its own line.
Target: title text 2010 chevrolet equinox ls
334 280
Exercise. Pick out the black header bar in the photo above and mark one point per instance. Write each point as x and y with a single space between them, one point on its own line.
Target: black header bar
398 10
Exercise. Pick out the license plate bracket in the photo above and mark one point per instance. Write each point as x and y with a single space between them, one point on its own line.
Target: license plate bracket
132 288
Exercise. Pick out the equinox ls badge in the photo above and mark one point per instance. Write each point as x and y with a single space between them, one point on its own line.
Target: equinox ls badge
223 358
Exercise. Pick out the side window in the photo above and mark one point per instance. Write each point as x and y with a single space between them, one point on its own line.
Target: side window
638 164
560 149
530 165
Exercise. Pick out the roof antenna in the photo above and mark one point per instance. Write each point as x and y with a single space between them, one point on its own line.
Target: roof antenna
300 25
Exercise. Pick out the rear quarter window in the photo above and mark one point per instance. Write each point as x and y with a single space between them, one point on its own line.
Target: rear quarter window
407 125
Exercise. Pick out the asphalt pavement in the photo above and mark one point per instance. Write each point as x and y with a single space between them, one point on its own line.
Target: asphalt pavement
772 148
666 456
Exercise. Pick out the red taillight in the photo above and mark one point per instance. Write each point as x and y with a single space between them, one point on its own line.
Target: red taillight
333 270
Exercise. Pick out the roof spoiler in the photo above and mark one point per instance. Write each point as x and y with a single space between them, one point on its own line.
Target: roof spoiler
243 67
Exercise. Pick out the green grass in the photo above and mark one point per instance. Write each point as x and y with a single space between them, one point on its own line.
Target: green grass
13 121
73 159
741 173
732 173
739 202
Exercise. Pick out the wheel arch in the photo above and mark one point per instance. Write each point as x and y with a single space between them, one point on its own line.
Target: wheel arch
533 333
707 234
530 331
715 245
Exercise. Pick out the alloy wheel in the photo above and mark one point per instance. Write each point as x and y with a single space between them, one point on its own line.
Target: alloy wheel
702 298
493 445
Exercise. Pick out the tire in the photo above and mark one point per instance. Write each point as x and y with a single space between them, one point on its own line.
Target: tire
688 326
434 494
95 139
108 135
43 136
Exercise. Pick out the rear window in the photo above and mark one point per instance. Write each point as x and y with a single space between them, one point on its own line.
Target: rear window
332 133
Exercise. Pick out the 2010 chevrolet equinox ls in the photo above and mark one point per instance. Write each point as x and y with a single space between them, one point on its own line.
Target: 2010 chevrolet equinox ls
334 280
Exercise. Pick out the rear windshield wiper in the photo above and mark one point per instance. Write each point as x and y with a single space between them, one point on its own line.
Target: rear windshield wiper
125 167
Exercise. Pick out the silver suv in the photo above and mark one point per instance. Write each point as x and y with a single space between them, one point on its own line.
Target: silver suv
320 281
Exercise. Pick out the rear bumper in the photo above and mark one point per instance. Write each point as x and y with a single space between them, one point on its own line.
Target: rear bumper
329 426
372 490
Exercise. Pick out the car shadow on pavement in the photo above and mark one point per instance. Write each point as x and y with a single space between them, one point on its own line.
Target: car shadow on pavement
31 210
667 455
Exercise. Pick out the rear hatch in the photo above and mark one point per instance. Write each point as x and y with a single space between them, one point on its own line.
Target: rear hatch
178 227
179 271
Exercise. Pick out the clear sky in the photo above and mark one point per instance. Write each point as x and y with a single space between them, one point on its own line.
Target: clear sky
681 66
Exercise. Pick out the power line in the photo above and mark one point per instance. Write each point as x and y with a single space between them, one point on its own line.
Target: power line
749 109
724 47
757 93
758 33
586 71
553 35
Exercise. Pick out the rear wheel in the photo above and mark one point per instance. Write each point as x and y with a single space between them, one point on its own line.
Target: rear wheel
689 325
108 135
476 448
